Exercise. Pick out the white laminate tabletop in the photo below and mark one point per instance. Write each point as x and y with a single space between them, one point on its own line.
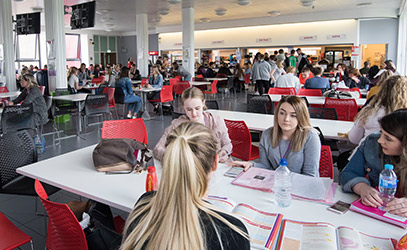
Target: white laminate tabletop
71 98
261 122
135 81
216 78
198 83
317 99
74 172
146 89
9 94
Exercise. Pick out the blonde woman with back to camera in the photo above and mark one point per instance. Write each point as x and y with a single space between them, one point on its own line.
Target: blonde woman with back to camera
177 216
193 102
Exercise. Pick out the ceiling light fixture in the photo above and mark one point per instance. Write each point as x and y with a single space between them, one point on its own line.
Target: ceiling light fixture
109 25
106 19
156 20
174 1
37 9
307 3
220 11
244 2
163 12
204 20
273 13
102 12
364 4
18 0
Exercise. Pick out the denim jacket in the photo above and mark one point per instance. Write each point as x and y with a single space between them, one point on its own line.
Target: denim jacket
367 160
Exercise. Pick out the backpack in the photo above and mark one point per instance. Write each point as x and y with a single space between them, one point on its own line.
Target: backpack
338 94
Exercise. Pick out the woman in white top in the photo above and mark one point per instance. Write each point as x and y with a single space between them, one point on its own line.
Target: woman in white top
391 97
278 71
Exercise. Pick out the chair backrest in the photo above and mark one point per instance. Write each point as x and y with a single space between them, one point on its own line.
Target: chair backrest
221 75
42 89
212 104
129 129
15 118
173 81
179 78
241 139
282 91
17 150
118 95
323 113
326 168
110 94
96 104
247 78
64 230
213 88
180 86
346 109
3 89
260 104
309 92
166 94
98 79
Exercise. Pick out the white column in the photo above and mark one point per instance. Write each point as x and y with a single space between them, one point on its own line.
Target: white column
9 70
188 42
142 44
55 36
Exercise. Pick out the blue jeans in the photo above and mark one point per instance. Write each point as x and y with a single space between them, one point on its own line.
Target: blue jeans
134 102
188 78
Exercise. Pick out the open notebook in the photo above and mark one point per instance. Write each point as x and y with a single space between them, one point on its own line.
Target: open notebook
296 235
262 226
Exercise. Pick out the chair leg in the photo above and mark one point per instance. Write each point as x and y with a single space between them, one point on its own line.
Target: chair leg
161 111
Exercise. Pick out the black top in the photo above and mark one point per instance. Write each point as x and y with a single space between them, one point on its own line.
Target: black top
352 84
230 238
224 70
210 72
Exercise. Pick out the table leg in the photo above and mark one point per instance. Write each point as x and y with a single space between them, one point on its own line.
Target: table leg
146 115
79 123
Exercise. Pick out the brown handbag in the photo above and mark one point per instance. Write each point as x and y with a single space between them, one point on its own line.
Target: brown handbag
120 155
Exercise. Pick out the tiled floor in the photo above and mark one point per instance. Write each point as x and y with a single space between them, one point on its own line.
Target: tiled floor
21 209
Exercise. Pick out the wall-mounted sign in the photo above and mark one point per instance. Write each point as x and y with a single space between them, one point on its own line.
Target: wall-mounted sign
153 53
177 44
218 42
335 37
355 51
308 38
263 40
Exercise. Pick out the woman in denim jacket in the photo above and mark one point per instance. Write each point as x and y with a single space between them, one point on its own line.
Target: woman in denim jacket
361 174
133 100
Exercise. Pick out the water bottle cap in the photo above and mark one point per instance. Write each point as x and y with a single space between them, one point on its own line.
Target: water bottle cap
151 169
388 166
283 162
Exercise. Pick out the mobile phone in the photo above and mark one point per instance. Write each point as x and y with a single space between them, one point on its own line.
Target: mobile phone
339 207
234 172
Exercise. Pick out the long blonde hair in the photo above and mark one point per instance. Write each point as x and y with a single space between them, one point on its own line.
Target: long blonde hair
392 96
304 125
72 70
171 218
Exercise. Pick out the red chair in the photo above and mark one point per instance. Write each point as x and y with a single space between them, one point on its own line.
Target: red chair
129 128
173 81
64 230
309 92
241 139
165 96
11 236
179 78
326 167
42 88
213 89
247 79
350 90
282 91
180 86
110 94
98 80
144 82
346 109
3 90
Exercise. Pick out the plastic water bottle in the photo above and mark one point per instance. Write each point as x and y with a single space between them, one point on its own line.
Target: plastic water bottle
38 144
282 184
387 184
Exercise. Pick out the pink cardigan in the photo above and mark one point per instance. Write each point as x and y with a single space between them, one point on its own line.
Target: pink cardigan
213 122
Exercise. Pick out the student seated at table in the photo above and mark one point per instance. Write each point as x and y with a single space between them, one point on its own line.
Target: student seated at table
393 96
361 174
288 80
193 102
356 80
73 82
293 139
32 94
134 101
210 71
305 75
83 75
177 216
181 71
318 82
155 81
134 72
96 71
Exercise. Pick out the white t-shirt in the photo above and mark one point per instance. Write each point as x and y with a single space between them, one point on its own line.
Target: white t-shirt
288 81
72 80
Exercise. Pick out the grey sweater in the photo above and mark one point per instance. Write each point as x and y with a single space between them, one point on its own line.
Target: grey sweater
305 161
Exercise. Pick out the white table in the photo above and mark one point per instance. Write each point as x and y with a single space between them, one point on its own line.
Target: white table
317 99
216 78
135 82
10 94
261 122
198 83
91 88
76 98
75 173
144 92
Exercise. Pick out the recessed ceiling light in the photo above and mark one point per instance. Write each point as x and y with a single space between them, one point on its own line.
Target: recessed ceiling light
204 20
220 11
109 24
106 19
163 12
244 2
363 4
37 9
174 1
18 0
307 3
273 13
102 12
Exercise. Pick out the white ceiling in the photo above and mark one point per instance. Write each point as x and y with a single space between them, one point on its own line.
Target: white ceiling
123 12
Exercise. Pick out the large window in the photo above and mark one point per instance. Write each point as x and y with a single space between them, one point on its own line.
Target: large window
27 50
73 50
